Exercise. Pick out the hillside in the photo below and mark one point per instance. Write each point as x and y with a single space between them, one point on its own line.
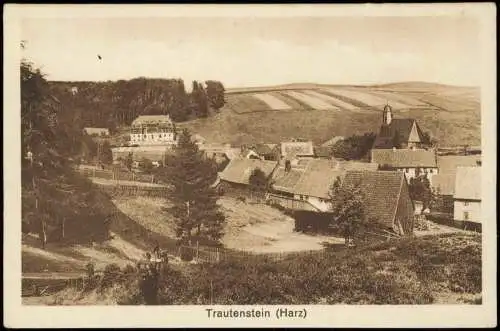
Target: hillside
452 114
427 270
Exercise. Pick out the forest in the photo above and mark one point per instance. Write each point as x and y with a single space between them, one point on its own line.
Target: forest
114 104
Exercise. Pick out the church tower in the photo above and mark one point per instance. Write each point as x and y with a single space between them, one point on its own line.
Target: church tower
387 115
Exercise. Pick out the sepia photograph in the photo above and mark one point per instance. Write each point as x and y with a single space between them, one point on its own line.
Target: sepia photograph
253 165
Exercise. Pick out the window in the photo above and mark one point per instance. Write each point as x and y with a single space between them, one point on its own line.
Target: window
466 203
407 169
430 171
466 215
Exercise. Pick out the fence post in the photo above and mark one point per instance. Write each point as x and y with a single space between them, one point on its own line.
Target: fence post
197 251
217 254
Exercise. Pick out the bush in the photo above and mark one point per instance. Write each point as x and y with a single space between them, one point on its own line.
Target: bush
187 255
111 275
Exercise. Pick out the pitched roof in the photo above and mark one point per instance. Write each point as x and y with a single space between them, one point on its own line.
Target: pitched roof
332 141
323 151
297 148
151 119
262 149
314 177
405 158
468 183
239 170
98 131
381 191
401 126
448 164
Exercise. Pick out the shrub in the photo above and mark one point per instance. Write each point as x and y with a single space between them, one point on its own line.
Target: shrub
187 255
111 275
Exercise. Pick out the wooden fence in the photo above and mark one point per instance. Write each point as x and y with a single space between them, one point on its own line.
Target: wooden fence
119 190
117 175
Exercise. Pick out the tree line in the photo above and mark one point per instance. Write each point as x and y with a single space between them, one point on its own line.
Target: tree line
114 104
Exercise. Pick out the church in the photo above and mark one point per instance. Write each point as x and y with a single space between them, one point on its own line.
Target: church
401 145
398 133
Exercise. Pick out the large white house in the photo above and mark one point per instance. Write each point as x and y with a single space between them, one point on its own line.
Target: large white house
467 196
153 130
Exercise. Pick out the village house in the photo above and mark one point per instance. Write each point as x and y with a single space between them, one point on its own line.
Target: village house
305 185
234 180
413 162
467 196
220 153
153 130
398 133
96 132
443 183
332 141
323 152
387 199
297 150
269 152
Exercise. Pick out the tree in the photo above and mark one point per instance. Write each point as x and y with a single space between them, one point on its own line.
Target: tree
355 147
420 190
106 153
215 94
129 161
428 140
55 199
147 165
258 181
194 200
347 205
199 102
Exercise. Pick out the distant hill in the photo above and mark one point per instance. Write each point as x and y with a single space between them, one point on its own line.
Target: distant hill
318 112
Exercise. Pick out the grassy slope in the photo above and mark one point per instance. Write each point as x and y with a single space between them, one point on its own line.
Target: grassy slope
454 119
433 269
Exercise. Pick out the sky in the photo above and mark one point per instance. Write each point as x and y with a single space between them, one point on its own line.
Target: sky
260 51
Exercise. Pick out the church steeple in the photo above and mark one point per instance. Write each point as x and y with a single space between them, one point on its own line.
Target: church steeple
387 114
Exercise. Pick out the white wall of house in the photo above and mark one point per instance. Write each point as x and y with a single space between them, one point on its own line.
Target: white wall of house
467 211
412 172
152 138
321 204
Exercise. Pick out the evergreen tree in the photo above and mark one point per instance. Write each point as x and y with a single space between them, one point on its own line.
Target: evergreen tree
215 94
191 176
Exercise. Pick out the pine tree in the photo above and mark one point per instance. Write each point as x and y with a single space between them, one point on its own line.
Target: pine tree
191 176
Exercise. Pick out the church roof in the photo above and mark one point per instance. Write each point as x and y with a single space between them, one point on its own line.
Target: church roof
405 158
400 126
